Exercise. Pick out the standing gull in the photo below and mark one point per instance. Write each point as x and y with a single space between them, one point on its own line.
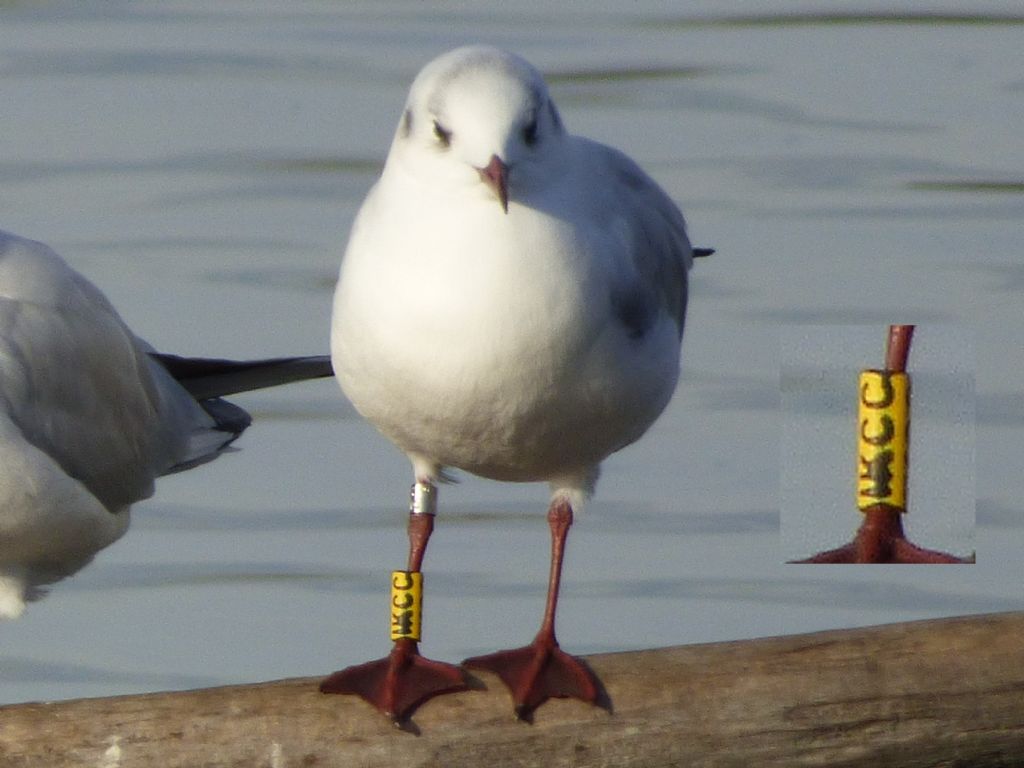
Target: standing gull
90 416
511 303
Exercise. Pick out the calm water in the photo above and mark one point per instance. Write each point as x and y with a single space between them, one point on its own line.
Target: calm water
203 167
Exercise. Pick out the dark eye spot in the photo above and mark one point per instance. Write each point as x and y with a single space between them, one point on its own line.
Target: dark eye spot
530 133
444 136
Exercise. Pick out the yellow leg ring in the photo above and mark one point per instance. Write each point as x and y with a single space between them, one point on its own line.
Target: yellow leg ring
406 605
883 430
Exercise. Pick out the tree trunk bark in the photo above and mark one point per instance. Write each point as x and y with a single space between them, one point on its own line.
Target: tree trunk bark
946 692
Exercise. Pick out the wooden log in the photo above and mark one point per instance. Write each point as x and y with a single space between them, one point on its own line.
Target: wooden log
946 692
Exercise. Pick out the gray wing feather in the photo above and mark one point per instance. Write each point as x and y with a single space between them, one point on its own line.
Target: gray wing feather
82 388
658 242
73 378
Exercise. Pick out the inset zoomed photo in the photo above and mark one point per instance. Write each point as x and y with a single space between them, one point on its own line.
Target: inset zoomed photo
864 478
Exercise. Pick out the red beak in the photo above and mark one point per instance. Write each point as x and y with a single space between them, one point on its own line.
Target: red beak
495 176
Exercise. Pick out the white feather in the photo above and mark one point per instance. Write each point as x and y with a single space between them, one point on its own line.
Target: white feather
520 346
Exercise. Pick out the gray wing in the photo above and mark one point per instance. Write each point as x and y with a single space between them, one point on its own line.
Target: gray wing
81 387
652 224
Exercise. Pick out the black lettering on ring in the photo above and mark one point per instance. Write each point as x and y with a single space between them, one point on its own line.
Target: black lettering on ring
880 438
408 580
888 394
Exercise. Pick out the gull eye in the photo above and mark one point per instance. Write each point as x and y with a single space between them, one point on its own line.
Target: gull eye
530 133
444 136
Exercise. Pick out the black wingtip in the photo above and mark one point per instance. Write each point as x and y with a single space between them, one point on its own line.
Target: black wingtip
699 253
227 416
206 378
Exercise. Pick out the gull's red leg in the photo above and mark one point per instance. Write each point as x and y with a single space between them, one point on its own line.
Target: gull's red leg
541 670
880 539
403 680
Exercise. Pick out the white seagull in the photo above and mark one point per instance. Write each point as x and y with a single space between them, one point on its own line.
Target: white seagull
90 416
511 303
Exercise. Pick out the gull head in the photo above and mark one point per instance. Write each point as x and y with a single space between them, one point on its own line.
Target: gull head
479 120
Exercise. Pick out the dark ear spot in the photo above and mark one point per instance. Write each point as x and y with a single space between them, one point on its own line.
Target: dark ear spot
530 133
407 124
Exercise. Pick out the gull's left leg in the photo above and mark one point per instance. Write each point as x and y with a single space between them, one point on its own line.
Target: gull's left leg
541 670
398 683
